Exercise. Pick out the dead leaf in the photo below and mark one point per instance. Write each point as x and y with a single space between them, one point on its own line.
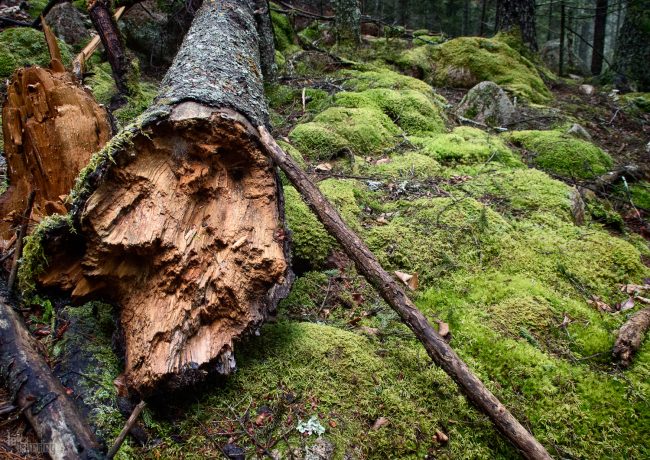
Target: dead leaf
409 280
358 298
565 322
627 304
383 161
443 329
599 304
381 421
382 220
332 423
634 288
441 437
120 384
323 167
369 330
642 299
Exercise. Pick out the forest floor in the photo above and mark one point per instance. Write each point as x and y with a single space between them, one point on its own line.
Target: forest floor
513 245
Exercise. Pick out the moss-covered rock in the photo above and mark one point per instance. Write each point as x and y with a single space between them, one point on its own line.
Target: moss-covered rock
466 145
364 131
466 61
361 80
24 46
411 110
562 154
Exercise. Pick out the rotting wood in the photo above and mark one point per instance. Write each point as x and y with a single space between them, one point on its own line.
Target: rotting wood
54 417
630 337
51 127
183 226
437 348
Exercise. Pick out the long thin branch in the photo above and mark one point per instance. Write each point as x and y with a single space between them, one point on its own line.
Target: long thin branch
437 348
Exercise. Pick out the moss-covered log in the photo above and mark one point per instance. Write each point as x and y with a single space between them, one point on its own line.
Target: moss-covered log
181 217
60 427
51 126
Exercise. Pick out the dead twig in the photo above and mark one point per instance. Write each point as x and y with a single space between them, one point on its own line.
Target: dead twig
19 242
129 425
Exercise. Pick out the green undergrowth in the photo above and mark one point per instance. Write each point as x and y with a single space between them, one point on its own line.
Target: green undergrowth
285 37
562 154
466 61
466 145
24 46
103 88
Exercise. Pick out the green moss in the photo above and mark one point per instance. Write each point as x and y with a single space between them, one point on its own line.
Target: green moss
24 46
407 165
563 154
357 80
343 194
636 103
364 131
466 145
36 7
285 37
411 110
310 241
640 194
33 261
466 61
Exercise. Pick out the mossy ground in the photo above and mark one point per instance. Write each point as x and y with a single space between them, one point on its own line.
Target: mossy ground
24 46
499 258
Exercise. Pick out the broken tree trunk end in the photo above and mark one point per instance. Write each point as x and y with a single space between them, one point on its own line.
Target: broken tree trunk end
437 348
54 417
630 337
183 226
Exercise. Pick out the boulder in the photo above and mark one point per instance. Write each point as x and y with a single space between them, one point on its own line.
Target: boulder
487 103
579 131
69 24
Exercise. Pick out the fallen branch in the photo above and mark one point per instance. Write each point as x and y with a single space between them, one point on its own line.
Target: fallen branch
19 241
441 353
129 425
79 63
630 337
54 417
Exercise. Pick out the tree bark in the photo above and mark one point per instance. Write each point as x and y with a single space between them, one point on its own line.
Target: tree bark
347 24
630 337
51 127
632 51
519 16
183 220
439 351
102 19
54 417
600 30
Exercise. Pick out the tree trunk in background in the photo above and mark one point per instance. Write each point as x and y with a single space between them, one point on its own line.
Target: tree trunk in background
51 127
348 22
519 15
265 34
632 51
403 12
481 31
466 17
600 29
106 27
183 226
549 23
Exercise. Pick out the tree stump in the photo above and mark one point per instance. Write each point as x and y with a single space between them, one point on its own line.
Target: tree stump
51 127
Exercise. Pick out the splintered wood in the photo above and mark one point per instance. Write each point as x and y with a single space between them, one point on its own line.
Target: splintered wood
186 236
51 127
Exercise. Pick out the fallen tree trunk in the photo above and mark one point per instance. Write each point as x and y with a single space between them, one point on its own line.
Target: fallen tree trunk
630 337
437 348
51 127
182 218
55 419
